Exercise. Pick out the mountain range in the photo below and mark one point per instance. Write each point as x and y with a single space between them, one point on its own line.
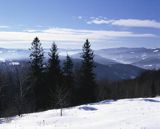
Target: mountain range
112 63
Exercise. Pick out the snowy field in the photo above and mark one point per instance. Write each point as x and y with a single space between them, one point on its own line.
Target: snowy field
122 114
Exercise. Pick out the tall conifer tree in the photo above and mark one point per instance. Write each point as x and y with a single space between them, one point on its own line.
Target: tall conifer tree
88 83
36 57
54 73
68 78
36 61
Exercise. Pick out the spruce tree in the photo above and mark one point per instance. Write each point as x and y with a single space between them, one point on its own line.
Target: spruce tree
36 61
36 57
54 74
88 83
68 78
68 70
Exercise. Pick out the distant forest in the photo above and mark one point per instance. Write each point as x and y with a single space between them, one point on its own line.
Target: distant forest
37 85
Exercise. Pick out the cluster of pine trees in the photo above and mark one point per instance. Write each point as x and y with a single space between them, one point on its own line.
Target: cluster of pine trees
46 83
54 85
145 85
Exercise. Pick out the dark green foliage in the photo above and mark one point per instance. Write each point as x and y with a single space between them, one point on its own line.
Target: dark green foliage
87 79
36 57
68 79
28 88
54 69
153 90
146 85
54 74
68 68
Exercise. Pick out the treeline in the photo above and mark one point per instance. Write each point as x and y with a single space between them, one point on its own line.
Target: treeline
41 84
146 85
38 85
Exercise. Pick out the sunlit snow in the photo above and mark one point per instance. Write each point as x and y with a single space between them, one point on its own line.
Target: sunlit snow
122 114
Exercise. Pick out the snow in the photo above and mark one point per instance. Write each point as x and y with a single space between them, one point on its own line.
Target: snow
156 51
11 51
148 65
122 114
14 63
2 60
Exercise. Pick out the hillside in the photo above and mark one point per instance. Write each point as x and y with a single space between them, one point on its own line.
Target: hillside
129 55
121 114
110 70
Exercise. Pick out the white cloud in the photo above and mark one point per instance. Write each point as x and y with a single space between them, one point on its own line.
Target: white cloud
99 21
4 27
127 22
67 34
80 17
137 23
31 30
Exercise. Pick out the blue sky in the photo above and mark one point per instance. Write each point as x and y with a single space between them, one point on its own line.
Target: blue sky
106 23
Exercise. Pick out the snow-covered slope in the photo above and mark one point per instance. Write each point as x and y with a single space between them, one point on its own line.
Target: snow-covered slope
122 114
148 63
